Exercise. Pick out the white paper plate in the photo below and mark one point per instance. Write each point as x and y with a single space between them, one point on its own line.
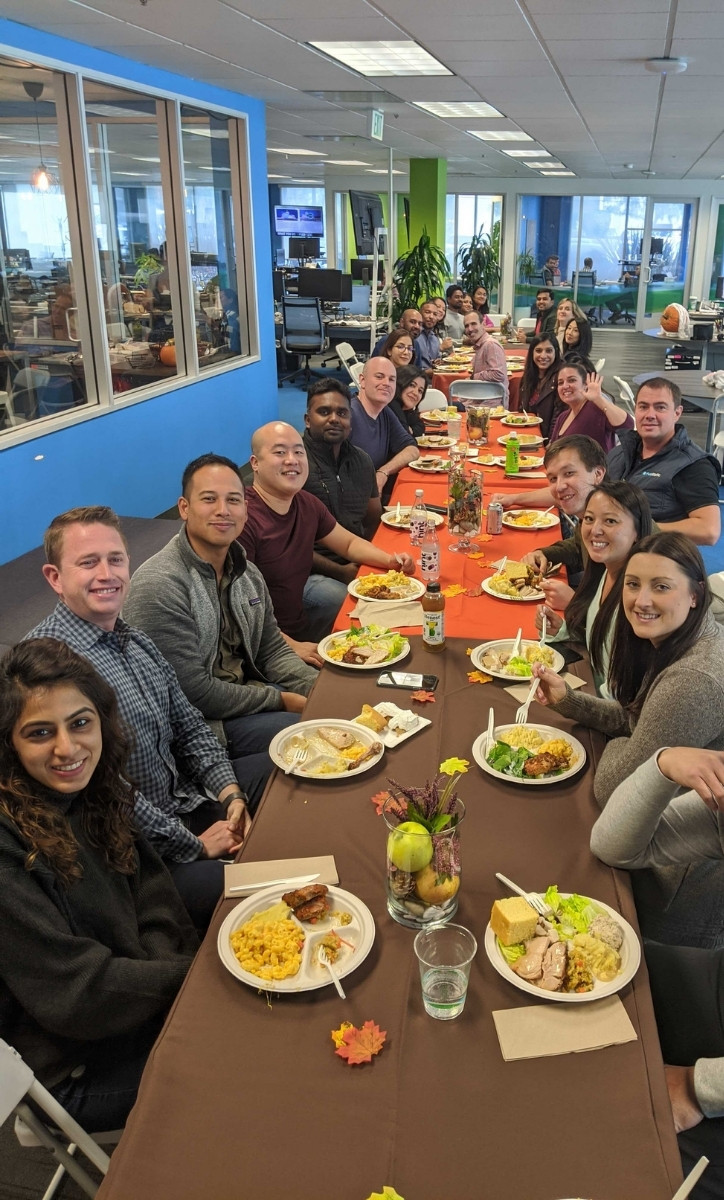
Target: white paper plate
390 737
435 441
405 510
524 445
476 659
630 959
323 650
434 420
536 595
360 932
278 746
417 589
480 750
534 466
510 420
440 467
546 520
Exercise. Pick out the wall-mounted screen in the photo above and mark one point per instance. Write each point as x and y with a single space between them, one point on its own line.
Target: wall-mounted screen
298 220
366 217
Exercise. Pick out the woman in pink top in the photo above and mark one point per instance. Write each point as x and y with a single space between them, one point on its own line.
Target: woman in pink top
587 410
480 304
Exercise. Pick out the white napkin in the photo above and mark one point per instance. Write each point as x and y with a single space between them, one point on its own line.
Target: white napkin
519 691
397 614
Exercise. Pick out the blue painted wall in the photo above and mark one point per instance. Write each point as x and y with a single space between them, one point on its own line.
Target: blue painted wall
132 458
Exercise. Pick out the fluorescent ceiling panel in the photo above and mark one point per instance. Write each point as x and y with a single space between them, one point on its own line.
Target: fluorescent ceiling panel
286 150
382 171
439 108
496 135
557 173
383 58
345 162
526 153
543 163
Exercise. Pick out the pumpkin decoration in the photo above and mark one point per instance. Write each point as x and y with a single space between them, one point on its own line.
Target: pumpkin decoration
675 319
168 353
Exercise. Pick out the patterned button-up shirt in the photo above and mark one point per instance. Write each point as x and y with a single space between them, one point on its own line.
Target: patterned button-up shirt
176 757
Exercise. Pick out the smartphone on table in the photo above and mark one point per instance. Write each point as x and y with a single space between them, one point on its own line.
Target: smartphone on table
408 681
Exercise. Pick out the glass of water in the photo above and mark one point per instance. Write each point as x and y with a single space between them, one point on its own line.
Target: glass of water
444 953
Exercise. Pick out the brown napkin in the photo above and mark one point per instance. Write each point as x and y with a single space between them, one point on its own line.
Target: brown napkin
259 873
397 614
545 1029
519 691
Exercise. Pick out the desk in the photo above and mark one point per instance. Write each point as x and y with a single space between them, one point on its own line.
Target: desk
242 1098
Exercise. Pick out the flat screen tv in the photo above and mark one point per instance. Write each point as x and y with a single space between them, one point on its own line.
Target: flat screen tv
298 220
366 217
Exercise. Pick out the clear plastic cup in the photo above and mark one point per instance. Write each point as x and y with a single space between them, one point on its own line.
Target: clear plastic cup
444 954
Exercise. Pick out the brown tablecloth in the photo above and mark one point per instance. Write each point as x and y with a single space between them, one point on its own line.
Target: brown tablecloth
244 1099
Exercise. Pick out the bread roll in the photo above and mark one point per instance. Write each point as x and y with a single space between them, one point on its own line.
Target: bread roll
372 719
513 920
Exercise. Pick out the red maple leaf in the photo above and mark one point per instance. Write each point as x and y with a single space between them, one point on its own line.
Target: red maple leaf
359 1045
379 800
423 697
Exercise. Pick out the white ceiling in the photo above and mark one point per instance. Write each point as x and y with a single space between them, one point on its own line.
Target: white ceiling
568 72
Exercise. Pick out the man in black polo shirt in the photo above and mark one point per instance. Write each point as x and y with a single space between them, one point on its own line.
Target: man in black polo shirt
679 479
340 475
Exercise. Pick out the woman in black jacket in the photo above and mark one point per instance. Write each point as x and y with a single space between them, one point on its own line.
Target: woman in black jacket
538 392
96 940
409 394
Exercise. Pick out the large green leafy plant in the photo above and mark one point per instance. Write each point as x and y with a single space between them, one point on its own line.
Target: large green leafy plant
421 272
479 261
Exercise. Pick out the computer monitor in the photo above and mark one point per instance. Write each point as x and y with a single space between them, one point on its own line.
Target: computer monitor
345 293
304 247
298 220
278 284
366 217
362 270
324 285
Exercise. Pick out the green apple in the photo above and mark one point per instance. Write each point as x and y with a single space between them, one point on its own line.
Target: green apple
409 846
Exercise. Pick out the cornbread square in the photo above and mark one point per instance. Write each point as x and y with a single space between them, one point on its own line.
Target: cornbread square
513 920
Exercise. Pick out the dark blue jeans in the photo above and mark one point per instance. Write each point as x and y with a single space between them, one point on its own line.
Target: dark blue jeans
102 1093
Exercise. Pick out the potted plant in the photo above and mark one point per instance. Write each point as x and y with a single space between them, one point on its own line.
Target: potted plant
479 263
526 265
419 273
147 265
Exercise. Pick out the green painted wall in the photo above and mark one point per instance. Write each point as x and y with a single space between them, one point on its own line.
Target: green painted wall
428 188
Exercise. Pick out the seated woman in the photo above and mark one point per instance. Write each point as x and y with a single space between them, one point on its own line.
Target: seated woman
480 304
567 311
398 348
647 824
617 515
577 339
409 394
467 305
538 393
666 677
96 940
586 408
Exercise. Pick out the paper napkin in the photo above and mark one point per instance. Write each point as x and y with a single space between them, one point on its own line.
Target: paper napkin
395 615
258 873
546 1029
519 691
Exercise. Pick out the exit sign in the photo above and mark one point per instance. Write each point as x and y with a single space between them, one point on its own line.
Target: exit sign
377 124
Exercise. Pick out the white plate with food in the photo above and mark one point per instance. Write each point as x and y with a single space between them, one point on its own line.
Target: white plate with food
526 462
333 749
393 521
435 416
435 441
259 927
525 439
498 412
486 460
391 724
517 589
550 755
494 658
530 518
392 585
430 463
365 648
521 420
596 966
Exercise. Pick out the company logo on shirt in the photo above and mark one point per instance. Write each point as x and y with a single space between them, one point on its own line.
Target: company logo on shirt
652 474
254 600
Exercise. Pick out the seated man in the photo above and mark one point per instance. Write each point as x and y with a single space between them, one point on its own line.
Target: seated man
375 429
176 761
340 475
284 523
679 479
545 314
453 320
411 322
428 343
552 270
489 358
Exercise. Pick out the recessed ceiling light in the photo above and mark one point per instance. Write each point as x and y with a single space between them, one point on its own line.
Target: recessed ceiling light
526 153
468 108
383 58
345 162
496 135
543 163
382 171
554 173
292 150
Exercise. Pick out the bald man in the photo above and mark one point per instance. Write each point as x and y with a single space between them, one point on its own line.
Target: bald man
284 523
376 429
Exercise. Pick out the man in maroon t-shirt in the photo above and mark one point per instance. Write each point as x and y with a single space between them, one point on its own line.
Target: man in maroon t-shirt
283 524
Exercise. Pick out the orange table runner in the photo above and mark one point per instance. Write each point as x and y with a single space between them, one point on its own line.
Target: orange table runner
441 380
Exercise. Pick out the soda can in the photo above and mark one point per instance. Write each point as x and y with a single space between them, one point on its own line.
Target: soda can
495 517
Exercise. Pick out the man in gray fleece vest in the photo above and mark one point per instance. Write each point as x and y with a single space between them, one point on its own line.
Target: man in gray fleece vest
209 612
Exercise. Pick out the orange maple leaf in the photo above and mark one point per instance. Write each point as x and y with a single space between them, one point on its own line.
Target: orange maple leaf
469 651
478 677
453 589
423 697
476 554
484 537
359 1045
394 805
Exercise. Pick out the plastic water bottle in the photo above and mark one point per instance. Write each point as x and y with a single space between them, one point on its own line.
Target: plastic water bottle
512 455
418 519
430 552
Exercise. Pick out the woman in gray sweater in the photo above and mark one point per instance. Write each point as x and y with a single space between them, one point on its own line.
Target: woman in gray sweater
667 676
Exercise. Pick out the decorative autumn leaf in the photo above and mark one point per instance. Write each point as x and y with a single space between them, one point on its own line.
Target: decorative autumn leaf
387 1193
474 592
394 804
477 553
338 1034
423 697
454 766
359 1045
484 537
453 589
478 677
469 651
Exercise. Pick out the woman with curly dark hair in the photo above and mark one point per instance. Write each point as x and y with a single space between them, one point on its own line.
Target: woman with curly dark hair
96 941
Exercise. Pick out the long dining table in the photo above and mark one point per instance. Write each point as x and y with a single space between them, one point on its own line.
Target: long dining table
243 1096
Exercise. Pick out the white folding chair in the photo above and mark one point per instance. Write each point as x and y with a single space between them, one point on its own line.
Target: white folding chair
117 331
625 394
346 355
478 389
433 398
527 324
18 1085
496 318
599 365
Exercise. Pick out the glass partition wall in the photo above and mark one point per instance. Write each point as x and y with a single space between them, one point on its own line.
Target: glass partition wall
126 260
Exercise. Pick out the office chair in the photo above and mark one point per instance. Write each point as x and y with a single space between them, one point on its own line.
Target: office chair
538 280
48 1124
477 389
302 332
587 279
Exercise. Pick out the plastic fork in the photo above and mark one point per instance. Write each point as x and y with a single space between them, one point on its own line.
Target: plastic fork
299 757
521 715
532 897
515 648
324 960
543 631
491 729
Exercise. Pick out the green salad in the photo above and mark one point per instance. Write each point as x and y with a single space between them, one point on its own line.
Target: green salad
368 645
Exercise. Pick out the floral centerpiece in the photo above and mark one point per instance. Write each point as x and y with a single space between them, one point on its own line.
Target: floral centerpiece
423 847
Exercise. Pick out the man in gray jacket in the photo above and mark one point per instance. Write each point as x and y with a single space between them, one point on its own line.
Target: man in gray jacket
209 612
